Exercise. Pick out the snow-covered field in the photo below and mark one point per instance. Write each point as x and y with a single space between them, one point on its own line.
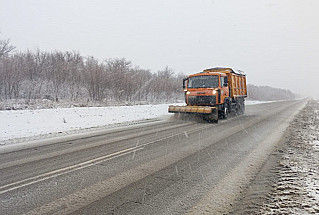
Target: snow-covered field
27 123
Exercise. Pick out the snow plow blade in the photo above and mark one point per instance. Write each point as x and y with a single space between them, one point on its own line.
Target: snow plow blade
209 113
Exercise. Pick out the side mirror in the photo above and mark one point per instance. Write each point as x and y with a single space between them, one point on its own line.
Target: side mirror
225 85
184 83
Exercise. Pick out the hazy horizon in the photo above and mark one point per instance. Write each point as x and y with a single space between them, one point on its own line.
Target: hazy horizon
274 42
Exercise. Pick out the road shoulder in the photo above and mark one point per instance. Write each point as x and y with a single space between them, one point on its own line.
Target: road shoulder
288 183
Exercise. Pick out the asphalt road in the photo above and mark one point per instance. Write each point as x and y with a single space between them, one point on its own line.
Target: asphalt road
162 167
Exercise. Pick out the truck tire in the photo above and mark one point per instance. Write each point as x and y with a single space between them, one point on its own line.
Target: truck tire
211 117
243 109
225 110
240 107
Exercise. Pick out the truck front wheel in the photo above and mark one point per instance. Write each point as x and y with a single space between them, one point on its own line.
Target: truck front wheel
225 111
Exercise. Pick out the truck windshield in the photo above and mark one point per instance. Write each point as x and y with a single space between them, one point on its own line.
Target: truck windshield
204 81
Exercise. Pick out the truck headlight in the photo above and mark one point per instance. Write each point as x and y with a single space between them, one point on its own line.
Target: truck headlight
188 92
214 92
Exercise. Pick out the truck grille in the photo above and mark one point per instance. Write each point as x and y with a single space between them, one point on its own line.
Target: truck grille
202 100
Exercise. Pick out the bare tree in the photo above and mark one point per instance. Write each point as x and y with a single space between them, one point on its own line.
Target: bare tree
119 76
75 80
5 48
95 76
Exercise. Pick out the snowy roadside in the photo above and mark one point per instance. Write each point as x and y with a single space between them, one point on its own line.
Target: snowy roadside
296 190
28 125
288 183
63 121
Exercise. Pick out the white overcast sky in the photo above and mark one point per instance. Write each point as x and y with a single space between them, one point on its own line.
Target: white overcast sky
276 42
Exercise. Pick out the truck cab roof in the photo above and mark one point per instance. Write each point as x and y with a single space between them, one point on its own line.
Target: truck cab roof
208 73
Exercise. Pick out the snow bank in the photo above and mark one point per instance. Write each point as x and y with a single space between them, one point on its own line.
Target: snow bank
254 102
28 123
295 188
25 123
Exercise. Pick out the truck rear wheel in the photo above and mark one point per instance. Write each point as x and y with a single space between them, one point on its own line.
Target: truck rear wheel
243 109
240 107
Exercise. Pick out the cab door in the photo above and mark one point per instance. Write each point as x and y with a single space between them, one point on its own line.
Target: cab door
224 89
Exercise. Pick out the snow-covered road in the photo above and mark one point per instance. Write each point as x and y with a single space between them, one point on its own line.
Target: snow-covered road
156 166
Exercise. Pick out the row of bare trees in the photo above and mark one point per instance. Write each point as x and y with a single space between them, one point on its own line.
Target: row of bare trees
266 93
69 76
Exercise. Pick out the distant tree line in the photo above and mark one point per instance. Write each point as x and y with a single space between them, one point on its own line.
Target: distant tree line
57 75
265 93
69 76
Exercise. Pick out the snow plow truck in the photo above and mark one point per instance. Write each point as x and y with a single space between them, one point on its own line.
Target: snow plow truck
213 94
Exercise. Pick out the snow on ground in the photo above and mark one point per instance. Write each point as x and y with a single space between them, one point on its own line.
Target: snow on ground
296 189
23 123
253 102
26 123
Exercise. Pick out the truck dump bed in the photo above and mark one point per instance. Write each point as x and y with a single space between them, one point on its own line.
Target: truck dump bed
236 81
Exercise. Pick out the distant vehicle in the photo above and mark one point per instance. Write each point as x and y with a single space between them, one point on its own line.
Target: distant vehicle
213 93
